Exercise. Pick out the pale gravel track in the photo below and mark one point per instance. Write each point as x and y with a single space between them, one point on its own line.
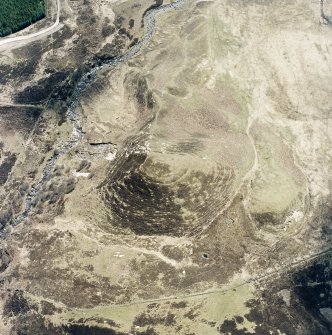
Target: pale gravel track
259 279
12 42
77 136
254 280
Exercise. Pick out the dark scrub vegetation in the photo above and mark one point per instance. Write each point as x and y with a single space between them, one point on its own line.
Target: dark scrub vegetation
18 14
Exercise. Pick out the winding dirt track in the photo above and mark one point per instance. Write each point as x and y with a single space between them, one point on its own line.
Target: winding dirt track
21 40
77 135
278 271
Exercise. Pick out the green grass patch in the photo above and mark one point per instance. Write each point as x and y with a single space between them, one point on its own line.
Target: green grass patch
15 15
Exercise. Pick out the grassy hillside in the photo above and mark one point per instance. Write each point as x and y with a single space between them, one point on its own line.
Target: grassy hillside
18 14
